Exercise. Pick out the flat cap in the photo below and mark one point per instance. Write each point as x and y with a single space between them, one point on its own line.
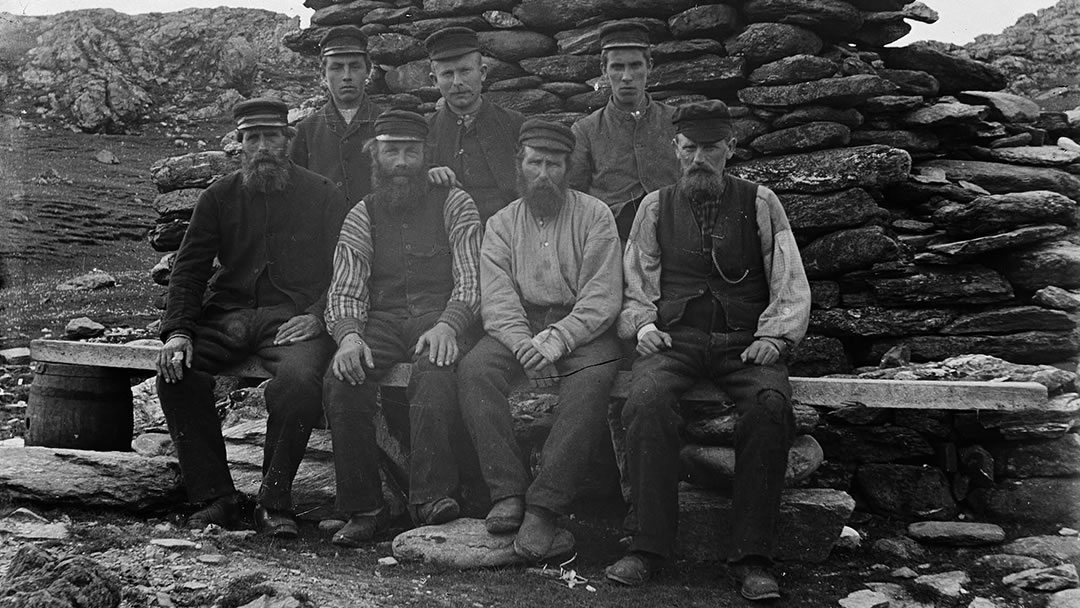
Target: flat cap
704 121
537 133
343 40
451 42
400 125
260 112
624 34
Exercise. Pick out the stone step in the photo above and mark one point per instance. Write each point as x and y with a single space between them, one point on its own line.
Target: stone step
810 523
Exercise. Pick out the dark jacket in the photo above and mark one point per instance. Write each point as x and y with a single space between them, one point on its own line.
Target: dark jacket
290 234
326 145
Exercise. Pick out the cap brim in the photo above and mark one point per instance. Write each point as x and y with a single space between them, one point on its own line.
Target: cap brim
453 53
261 121
392 137
344 50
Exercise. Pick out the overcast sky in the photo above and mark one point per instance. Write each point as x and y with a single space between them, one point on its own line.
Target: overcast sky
961 20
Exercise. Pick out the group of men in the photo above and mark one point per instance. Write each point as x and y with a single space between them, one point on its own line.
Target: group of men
483 247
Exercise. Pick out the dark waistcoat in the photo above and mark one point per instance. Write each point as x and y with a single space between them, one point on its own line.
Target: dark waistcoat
412 268
723 265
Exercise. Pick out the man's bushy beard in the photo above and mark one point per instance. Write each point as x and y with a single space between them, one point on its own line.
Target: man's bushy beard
265 171
701 182
543 196
399 195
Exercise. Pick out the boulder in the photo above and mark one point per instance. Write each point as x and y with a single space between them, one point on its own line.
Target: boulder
422 28
1000 564
714 466
813 214
517 84
793 70
37 578
346 13
930 285
748 128
828 170
945 587
565 14
465 544
706 72
1023 347
869 444
1050 549
1012 319
1006 240
718 429
1054 262
819 356
912 141
409 76
761 43
453 8
196 170
847 250
1056 298
526 101
803 138
1051 458
983 368
877 34
105 102
89 478
1001 212
841 91
865 598
177 203
516 45
1062 416
953 72
944 113
956 533
83 327
387 16
681 50
395 49
1006 107
810 522
1056 578
824 294
167 236
907 491
872 321
1069 598
831 19
1036 156
708 21
565 89
562 67
911 82
849 117
90 281
590 101
586 40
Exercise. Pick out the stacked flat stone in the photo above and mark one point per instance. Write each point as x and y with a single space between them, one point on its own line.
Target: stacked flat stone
180 180
929 206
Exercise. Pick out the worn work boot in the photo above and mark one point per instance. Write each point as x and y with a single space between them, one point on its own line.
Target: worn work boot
223 511
634 569
754 579
360 530
537 533
276 523
505 515
437 512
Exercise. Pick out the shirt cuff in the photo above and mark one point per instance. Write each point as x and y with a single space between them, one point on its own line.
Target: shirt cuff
346 326
646 329
179 333
550 344
457 315
782 345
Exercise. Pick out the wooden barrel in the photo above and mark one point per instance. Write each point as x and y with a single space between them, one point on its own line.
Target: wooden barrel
80 407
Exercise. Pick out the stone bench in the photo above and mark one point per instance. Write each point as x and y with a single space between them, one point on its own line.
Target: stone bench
812 518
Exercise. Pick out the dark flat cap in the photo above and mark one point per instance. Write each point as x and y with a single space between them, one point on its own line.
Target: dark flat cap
624 34
704 121
537 133
260 112
400 125
451 42
344 40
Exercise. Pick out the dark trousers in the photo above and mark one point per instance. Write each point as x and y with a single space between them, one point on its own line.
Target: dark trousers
486 376
293 402
432 403
763 434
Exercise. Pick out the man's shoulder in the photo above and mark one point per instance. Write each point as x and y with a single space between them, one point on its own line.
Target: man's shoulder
316 117
505 113
589 202
589 122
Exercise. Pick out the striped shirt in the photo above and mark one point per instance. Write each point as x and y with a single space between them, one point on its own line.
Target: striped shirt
348 300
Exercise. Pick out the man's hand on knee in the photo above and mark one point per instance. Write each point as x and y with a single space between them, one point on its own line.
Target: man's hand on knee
761 352
441 343
653 342
349 360
297 329
174 356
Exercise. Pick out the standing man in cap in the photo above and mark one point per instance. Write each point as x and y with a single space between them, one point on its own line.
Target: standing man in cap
729 308
271 227
330 141
472 141
621 150
551 287
406 287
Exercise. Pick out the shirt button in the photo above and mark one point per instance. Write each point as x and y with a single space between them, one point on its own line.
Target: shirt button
404 225
545 243
339 184
407 247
